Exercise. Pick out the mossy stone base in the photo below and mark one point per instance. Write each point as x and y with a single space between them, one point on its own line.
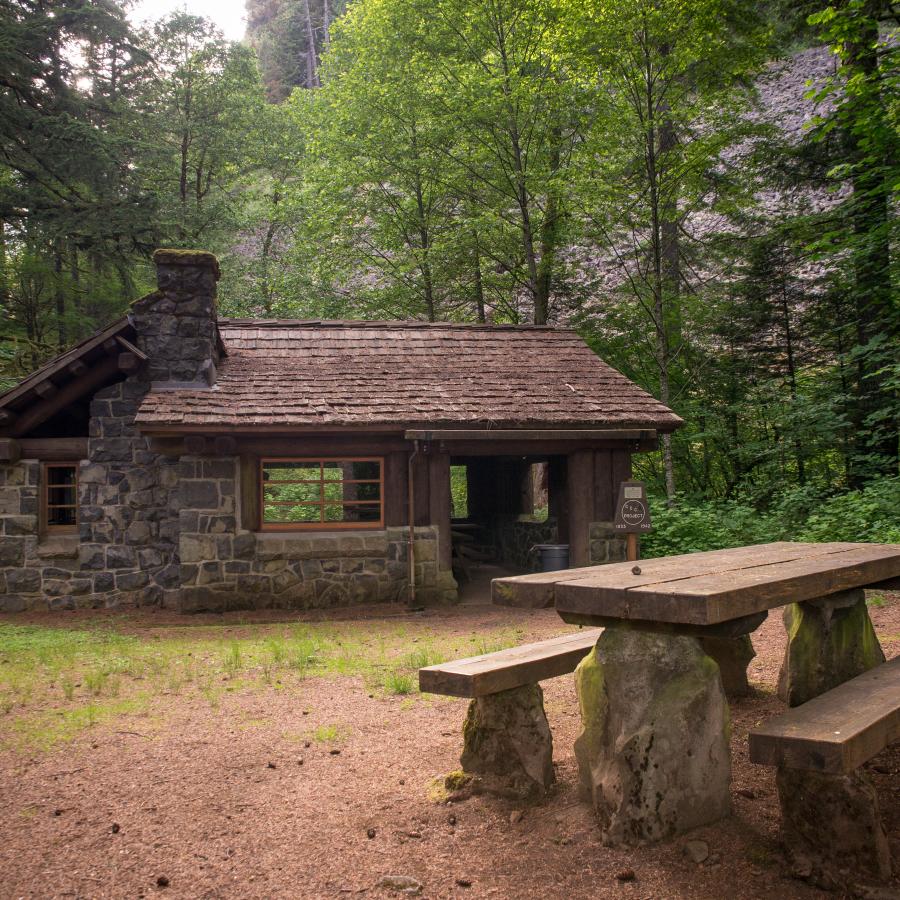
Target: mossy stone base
653 757
507 741
831 828
732 655
830 641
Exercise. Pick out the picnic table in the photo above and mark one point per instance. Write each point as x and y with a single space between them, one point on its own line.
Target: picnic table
654 753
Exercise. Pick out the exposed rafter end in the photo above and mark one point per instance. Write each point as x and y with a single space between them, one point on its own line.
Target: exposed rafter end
10 450
46 389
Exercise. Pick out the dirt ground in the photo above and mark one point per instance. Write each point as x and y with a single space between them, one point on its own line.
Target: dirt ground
188 800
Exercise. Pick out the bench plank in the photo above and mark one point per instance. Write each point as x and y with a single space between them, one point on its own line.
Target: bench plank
837 731
490 673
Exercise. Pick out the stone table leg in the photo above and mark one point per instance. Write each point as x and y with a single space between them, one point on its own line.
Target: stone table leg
508 744
830 641
654 756
732 655
830 824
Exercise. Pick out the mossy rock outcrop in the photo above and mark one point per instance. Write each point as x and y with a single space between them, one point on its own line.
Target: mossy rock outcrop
654 757
830 641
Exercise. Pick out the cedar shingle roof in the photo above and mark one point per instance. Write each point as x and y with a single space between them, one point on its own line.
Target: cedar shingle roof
294 374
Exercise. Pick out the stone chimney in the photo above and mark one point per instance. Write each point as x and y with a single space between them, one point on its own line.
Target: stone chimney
176 324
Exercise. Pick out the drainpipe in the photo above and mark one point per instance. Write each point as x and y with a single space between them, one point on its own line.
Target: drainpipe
411 531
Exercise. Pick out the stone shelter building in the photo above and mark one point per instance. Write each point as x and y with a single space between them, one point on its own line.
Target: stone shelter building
200 463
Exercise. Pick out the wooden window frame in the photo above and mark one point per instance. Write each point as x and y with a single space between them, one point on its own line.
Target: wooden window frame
321 525
46 527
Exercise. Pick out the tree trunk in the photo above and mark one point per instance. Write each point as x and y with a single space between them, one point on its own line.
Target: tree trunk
59 294
870 212
312 63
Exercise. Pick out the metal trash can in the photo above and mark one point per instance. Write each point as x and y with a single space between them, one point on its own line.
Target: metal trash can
553 556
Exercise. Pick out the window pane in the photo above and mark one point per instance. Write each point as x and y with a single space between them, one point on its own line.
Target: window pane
288 471
328 492
335 512
61 496
298 513
61 475
366 491
367 469
284 493
61 516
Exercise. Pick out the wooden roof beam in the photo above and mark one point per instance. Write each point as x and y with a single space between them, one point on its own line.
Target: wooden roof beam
530 434
36 413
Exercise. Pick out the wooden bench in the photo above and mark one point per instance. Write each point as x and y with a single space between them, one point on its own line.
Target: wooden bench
838 731
507 744
478 676
830 817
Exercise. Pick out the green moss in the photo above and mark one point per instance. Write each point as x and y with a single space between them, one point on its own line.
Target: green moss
456 781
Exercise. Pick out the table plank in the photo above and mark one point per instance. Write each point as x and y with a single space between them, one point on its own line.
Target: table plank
538 590
838 731
478 676
711 598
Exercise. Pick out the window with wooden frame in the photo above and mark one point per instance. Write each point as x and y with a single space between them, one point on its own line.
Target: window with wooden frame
59 509
321 493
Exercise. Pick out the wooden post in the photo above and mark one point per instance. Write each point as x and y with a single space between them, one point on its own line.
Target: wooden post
581 506
632 547
439 504
396 503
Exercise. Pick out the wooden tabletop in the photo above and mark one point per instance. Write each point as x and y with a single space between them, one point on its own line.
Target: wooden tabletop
705 588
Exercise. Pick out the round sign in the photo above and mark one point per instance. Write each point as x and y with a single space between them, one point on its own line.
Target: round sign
633 512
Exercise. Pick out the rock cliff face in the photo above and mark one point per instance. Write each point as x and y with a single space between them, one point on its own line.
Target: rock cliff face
290 37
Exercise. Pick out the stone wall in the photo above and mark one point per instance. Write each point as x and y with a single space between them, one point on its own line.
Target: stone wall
33 574
226 567
128 521
607 546
516 537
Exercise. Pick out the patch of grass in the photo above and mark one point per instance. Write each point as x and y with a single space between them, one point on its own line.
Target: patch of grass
423 656
330 734
395 682
58 682
877 601
233 660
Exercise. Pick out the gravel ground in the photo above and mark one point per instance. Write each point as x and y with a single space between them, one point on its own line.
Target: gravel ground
193 801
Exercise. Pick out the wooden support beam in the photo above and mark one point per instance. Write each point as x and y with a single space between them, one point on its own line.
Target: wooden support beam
530 434
54 449
10 450
396 502
580 496
77 368
439 505
111 346
46 389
